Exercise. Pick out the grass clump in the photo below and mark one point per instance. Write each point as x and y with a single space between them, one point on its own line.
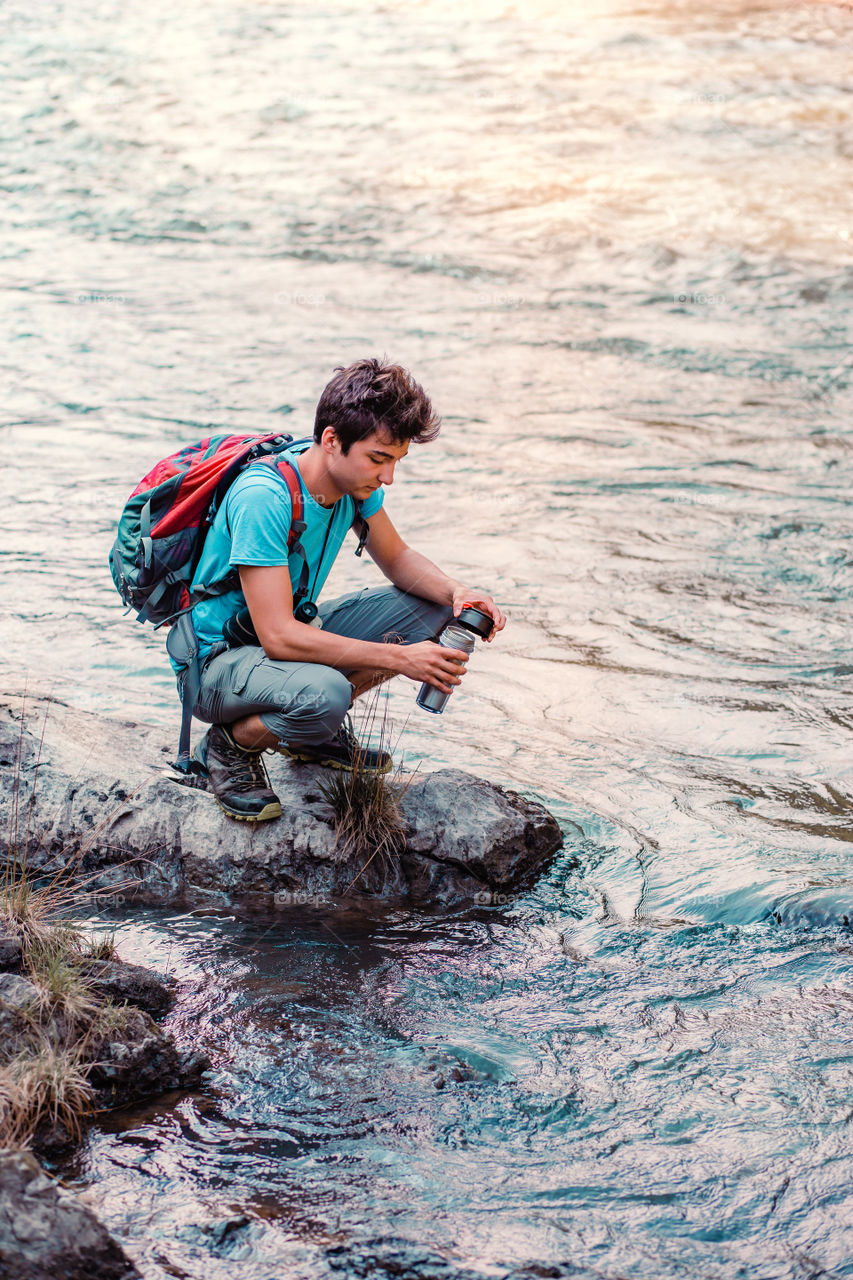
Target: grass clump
63 990
44 1084
47 1045
368 805
102 947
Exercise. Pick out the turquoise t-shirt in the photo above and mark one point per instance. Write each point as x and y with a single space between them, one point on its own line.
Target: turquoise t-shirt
251 528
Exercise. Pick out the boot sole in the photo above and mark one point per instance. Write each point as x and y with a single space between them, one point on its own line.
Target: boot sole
269 811
330 763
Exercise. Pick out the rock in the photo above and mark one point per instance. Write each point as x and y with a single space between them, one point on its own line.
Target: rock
127 983
137 1060
17 992
107 803
10 949
127 1057
47 1234
392 1258
17 998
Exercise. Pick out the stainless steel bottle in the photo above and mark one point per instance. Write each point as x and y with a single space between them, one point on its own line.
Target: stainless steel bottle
460 633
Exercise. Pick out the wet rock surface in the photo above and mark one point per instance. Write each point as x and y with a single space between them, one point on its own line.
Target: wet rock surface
107 802
46 1233
139 1060
125 983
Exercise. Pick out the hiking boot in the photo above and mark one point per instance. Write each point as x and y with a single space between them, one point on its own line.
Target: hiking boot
237 777
343 751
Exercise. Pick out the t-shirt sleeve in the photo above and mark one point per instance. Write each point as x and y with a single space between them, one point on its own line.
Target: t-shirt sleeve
258 512
373 503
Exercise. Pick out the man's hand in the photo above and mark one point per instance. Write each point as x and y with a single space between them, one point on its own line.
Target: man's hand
463 596
431 662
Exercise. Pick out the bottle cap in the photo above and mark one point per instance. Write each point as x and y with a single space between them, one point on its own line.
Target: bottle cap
477 621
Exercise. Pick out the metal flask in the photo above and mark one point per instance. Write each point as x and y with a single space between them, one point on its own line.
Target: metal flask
460 633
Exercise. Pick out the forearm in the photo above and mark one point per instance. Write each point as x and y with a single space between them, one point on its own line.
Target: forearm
414 573
298 642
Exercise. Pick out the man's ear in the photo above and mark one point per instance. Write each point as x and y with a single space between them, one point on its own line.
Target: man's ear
330 440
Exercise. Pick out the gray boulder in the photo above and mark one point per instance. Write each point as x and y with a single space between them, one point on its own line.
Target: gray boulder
98 794
46 1233
125 983
138 1060
10 949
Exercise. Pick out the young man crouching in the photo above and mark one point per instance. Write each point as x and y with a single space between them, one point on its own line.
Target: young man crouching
275 681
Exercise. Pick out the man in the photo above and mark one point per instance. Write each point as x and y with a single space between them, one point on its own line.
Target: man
289 689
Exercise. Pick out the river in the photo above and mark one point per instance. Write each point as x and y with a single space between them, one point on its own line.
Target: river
614 241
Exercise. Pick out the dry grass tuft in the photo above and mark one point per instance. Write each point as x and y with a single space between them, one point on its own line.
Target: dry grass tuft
101 947
44 1084
64 991
366 804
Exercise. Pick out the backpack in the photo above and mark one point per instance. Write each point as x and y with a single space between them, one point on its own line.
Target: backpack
162 529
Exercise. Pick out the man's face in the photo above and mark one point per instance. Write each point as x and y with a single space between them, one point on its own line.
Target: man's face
369 464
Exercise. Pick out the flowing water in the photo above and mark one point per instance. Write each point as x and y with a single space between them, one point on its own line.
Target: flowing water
614 242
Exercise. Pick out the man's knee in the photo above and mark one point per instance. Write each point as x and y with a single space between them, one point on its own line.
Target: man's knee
435 618
419 619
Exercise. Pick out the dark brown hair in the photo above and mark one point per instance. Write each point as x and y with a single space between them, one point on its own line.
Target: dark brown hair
371 395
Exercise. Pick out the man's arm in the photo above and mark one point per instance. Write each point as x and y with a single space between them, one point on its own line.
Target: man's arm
269 596
413 572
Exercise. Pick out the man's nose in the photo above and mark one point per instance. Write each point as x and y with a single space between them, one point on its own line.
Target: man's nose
386 475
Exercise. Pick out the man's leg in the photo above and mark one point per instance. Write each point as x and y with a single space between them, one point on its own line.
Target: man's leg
375 614
255 703
363 679
382 614
252 734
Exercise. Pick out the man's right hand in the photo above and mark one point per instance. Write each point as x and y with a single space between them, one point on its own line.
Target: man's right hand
432 662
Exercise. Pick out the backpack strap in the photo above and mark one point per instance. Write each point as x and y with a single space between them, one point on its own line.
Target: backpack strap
361 528
284 468
182 645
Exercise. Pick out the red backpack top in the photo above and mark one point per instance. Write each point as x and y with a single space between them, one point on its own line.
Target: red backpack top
165 520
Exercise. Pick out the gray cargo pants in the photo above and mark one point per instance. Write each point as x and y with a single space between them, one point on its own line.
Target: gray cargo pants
307 701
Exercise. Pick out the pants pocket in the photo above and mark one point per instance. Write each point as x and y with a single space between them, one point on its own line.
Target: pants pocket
223 681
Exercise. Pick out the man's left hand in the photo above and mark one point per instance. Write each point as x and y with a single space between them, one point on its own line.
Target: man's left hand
464 596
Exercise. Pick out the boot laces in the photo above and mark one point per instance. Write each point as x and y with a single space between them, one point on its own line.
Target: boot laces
346 737
247 771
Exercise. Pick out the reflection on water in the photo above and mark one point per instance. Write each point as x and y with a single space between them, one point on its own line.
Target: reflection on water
614 242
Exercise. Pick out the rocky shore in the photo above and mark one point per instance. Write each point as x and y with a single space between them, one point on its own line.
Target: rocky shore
99 793
47 1233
